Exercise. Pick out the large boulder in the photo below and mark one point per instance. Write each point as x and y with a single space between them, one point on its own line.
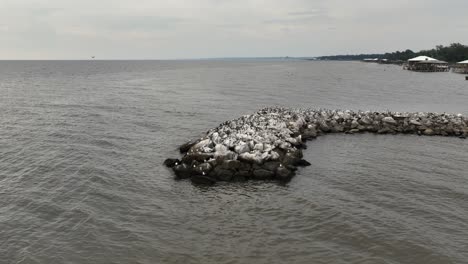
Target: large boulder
170 163
262 174
258 146
386 130
188 145
428 132
182 171
309 133
242 148
231 165
251 158
197 156
365 120
216 138
201 145
203 169
222 174
324 127
389 120
415 122
271 165
223 153
292 157
241 176
274 155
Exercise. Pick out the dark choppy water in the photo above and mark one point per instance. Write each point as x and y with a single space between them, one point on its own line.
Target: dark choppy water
81 179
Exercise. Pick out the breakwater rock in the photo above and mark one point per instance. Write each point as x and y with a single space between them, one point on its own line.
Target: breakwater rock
267 145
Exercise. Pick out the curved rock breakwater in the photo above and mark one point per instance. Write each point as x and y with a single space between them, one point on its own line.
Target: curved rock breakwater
267 145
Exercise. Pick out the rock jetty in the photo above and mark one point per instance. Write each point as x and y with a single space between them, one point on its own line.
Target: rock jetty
267 145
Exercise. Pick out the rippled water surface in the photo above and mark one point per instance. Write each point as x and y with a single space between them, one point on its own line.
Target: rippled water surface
82 181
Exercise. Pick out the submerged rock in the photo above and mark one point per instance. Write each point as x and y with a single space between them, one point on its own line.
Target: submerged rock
203 180
283 174
303 163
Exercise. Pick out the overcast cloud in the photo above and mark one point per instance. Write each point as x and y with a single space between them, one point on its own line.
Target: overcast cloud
156 29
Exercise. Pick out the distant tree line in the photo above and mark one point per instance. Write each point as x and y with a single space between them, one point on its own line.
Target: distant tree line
351 57
454 52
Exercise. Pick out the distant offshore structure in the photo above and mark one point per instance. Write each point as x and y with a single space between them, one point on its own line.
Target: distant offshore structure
267 145
383 61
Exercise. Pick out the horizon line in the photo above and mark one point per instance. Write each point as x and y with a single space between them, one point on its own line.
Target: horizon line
178 59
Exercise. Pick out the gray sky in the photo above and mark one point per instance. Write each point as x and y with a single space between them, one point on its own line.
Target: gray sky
171 29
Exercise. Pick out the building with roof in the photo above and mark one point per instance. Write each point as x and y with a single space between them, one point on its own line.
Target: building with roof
461 67
426 64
